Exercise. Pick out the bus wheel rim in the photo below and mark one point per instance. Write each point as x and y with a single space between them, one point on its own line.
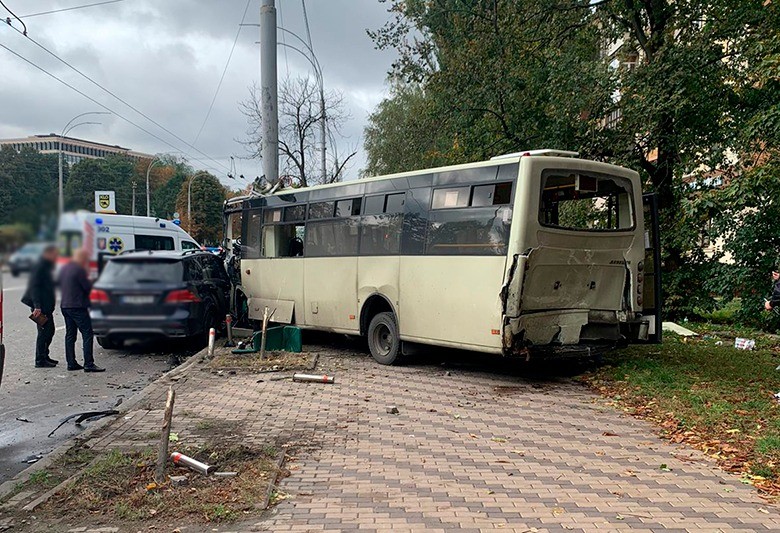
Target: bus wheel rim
383 339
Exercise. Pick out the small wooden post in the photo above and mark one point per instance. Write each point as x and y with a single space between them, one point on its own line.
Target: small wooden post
165 435
265 330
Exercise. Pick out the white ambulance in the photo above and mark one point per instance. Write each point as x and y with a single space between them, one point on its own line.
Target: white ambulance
104 235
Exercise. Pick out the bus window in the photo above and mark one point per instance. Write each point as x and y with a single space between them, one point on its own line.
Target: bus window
251 245
448 198
586 202
481 231
493 194
332 238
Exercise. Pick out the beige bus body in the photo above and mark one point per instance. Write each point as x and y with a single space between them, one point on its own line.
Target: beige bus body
551 287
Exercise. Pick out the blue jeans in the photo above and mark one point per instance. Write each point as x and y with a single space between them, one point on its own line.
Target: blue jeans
77 320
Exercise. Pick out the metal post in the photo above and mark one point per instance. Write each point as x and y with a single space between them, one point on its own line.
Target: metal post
148 200
61 198
269 150
322 132
134 198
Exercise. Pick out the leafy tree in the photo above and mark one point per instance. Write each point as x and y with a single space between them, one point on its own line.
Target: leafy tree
28 186
114 173
208 197
685 83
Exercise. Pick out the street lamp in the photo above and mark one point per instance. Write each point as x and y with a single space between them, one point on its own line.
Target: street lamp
311 57
149 169
69 126
189 199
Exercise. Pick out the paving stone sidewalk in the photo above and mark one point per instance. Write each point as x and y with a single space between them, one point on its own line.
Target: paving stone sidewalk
468 450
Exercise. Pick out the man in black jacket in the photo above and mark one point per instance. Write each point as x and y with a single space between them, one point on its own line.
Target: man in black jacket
40 298
75 287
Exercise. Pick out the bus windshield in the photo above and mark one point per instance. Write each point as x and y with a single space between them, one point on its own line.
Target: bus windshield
586 202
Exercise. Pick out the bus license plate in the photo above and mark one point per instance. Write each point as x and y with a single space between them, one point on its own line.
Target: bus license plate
138 300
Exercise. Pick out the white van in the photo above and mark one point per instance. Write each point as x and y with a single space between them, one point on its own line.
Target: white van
105 235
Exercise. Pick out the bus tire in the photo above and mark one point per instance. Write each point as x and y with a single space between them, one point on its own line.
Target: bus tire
383 339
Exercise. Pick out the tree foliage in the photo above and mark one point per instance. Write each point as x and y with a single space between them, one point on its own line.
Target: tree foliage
676 90
208 197
28 187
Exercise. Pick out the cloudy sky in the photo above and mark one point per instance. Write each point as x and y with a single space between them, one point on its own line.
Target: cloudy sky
165 57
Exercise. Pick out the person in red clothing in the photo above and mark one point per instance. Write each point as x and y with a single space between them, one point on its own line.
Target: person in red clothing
75 287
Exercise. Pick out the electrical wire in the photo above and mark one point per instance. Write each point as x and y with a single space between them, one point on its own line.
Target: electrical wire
68 9
14 16
101 105
224 71
147 117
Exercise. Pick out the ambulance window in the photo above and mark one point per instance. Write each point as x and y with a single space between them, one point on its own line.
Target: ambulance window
153 242
189 245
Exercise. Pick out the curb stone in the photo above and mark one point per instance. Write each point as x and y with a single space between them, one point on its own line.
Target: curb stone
167 378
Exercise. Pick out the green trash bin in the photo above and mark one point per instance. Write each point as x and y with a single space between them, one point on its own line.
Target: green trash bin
274 341
293 341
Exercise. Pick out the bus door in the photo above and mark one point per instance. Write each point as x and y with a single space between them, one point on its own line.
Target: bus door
651 292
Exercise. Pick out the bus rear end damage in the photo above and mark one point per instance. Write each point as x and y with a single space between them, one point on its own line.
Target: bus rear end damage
577 288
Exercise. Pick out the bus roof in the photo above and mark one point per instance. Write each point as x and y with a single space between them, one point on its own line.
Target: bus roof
514 157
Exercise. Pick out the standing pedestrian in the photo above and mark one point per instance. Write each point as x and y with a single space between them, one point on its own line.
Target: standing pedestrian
41 300
75 287
774 300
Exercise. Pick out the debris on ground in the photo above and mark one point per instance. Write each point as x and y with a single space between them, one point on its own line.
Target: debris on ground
392 410
313 378
88 416
23 419
179 459
741 343
179 481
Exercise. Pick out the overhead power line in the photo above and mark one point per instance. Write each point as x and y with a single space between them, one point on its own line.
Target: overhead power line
224 71
69 9
101 105
14 16
108 91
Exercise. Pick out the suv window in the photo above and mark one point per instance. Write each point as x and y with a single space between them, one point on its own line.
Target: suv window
134 271
194 269
213 268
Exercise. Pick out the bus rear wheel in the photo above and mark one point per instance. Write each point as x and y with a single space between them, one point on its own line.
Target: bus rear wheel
383 339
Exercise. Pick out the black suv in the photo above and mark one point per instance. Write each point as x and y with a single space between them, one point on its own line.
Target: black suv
159 294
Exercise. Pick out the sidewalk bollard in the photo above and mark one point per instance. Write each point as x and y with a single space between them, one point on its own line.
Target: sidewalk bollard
179 459
212 338
229 328
313 378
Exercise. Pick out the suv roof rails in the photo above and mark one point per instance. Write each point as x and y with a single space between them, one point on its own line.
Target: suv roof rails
185 252
546 151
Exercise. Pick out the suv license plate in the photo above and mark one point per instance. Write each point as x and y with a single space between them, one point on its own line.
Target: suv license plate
138 300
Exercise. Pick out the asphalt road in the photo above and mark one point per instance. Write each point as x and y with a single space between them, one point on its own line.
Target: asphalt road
46 396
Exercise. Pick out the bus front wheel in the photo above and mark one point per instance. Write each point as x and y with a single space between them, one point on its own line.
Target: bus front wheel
383 340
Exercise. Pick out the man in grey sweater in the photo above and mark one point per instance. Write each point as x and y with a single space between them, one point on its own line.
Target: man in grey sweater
75 288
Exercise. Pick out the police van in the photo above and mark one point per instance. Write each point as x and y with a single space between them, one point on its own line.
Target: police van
105 235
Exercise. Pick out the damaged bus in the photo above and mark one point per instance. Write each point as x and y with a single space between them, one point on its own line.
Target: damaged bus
533 254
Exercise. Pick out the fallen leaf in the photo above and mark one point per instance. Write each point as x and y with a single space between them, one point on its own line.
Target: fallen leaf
498 439
609 434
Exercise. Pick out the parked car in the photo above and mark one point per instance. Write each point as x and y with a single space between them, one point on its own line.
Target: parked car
179 295
25 258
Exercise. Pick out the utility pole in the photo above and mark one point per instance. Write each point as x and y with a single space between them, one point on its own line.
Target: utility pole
269 128
133 198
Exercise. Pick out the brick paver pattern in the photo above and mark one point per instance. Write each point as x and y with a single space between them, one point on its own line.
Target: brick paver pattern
467 451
